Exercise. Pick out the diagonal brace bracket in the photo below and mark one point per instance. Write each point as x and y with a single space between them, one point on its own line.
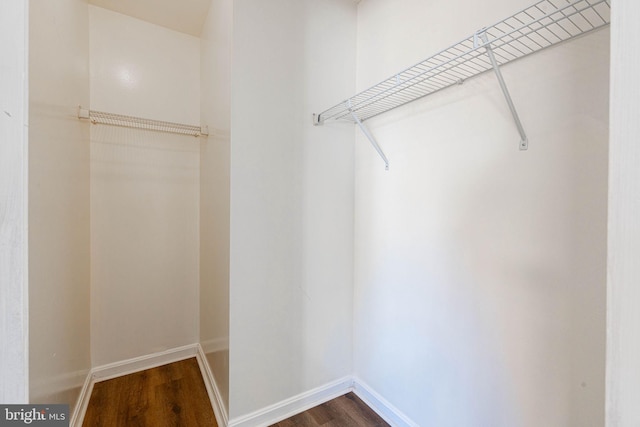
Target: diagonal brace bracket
370 137
482 35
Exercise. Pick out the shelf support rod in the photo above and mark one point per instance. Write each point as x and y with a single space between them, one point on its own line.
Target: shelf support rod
370 137
524 142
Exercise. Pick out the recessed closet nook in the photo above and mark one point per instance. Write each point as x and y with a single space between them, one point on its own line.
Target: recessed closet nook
463 286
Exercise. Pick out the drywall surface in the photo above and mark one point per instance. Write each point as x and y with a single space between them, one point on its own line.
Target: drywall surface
215 61
186 16
623 347
144 190
480 270
14 380
142 69
59 357
291 200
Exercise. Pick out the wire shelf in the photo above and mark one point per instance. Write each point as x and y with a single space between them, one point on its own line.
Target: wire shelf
546 23
100 117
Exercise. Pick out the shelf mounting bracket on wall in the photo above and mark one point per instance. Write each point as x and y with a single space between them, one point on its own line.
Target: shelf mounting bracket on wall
480 39
544 24
370 137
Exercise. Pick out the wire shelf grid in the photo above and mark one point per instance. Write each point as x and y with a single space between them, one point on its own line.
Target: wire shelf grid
546 23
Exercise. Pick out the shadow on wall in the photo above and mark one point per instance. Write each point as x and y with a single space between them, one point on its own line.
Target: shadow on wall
480 270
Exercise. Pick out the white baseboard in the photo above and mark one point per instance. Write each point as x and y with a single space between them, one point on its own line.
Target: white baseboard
82 403
126 367
297 404
129 366
261 418
219 409
380 405
294 405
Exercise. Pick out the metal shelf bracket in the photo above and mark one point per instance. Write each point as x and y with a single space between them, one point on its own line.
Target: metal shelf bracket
366 133
480 39
544 24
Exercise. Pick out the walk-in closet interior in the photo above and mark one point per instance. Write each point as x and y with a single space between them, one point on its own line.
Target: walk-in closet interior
251 183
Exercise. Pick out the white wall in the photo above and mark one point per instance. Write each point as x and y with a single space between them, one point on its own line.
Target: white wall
623 347
479 269
215 57
142 69
144 190
622 408
291 200
14 380
59 356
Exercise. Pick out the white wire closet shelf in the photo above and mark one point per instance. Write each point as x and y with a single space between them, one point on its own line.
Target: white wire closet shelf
542 25
100 117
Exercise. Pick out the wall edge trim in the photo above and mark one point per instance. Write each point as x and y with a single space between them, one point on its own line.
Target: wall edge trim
82 403
148 361
213 391
126 367
261 418
380 405
294 405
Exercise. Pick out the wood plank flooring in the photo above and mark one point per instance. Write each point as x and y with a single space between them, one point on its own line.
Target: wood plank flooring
344 411
170 395
174 395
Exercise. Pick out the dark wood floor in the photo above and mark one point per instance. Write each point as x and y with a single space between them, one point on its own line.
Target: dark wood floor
170 395
175 395
344 411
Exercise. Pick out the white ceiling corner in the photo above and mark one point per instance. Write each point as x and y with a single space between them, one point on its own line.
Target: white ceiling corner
186 16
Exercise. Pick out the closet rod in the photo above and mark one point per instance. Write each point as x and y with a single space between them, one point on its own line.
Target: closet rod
100 117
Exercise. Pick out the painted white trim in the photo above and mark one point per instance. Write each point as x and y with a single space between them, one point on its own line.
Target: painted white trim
215 345
382 406
263 417
83 402
260 418
294 405
219 409
300 403
137 364
623 270
126 367
14 186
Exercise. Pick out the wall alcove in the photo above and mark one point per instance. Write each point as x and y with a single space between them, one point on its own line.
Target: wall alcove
464 286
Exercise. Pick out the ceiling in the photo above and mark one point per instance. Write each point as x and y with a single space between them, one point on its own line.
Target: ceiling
186 16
